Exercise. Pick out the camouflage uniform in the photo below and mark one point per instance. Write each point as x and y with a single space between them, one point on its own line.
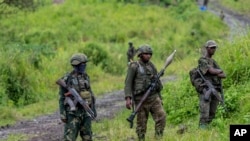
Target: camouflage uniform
138 79
208 108
78 120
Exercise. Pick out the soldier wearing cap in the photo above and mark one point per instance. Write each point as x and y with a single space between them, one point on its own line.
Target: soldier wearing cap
213 73
76 120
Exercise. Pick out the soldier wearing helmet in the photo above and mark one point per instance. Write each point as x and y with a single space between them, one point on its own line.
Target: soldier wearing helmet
131 52
140 74
213 73
78 61
144 49
76 118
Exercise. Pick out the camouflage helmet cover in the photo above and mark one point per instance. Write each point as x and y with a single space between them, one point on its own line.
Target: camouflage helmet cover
144 49
211 43
78 58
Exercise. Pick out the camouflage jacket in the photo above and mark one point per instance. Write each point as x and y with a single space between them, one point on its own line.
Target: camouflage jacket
204 64
139 77
80 83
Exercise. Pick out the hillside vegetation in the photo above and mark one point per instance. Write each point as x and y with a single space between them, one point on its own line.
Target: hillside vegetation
241 6
35 48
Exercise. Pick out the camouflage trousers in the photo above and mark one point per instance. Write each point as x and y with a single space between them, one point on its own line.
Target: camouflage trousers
207 109
153 106
77 121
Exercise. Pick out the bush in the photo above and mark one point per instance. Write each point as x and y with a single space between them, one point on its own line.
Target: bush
95 53
16 81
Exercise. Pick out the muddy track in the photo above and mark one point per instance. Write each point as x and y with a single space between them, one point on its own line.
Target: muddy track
50 128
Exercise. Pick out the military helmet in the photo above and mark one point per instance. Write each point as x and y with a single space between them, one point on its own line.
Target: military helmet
211 43
144 49
78 58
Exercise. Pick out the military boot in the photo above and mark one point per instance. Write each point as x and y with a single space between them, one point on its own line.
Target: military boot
158 135
141 137
203 126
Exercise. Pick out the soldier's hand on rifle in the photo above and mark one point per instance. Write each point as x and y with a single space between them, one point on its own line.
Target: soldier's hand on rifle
67 94
128 103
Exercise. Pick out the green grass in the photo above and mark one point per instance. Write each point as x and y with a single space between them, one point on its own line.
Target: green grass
241 6
118 129
40 46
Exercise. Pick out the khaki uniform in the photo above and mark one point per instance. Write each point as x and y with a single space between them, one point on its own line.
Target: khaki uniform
138 80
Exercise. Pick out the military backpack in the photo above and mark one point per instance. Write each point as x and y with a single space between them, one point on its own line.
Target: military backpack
196 79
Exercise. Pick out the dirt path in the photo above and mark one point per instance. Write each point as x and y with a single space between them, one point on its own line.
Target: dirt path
50 128
235 21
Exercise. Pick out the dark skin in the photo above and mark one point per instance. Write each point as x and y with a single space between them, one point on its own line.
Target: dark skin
144 57
210 52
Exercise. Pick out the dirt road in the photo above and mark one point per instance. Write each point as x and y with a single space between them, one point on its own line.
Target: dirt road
50 128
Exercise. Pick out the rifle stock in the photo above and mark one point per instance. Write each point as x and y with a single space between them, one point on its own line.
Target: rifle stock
77 97
130 119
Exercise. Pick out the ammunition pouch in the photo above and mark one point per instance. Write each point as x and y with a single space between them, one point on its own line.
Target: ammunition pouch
86 95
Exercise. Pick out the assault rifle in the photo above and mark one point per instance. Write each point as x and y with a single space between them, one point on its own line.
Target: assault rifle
211 89
77 97
150 89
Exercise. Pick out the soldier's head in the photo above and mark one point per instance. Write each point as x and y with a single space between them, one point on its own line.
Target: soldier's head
211 47
144 52
130 44
78 61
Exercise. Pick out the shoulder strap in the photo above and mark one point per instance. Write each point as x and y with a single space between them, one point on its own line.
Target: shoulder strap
141 69
153 66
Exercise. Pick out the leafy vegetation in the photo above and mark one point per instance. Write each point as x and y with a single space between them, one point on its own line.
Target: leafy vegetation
36 46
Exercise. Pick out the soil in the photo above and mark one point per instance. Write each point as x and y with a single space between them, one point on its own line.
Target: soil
50 128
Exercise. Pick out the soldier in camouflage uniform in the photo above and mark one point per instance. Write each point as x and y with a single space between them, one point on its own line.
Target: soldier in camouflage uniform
77 121
139 76
213 73
131 52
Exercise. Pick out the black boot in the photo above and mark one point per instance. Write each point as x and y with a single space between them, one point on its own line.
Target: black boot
158 134
141 137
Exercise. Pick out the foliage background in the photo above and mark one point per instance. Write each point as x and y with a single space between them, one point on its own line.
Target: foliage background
37 42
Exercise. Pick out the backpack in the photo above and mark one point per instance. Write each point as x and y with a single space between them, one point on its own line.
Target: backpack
196 79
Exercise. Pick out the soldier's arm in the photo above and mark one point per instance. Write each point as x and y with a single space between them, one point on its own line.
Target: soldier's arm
206 68
62 109
222 75
129 81
214 71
